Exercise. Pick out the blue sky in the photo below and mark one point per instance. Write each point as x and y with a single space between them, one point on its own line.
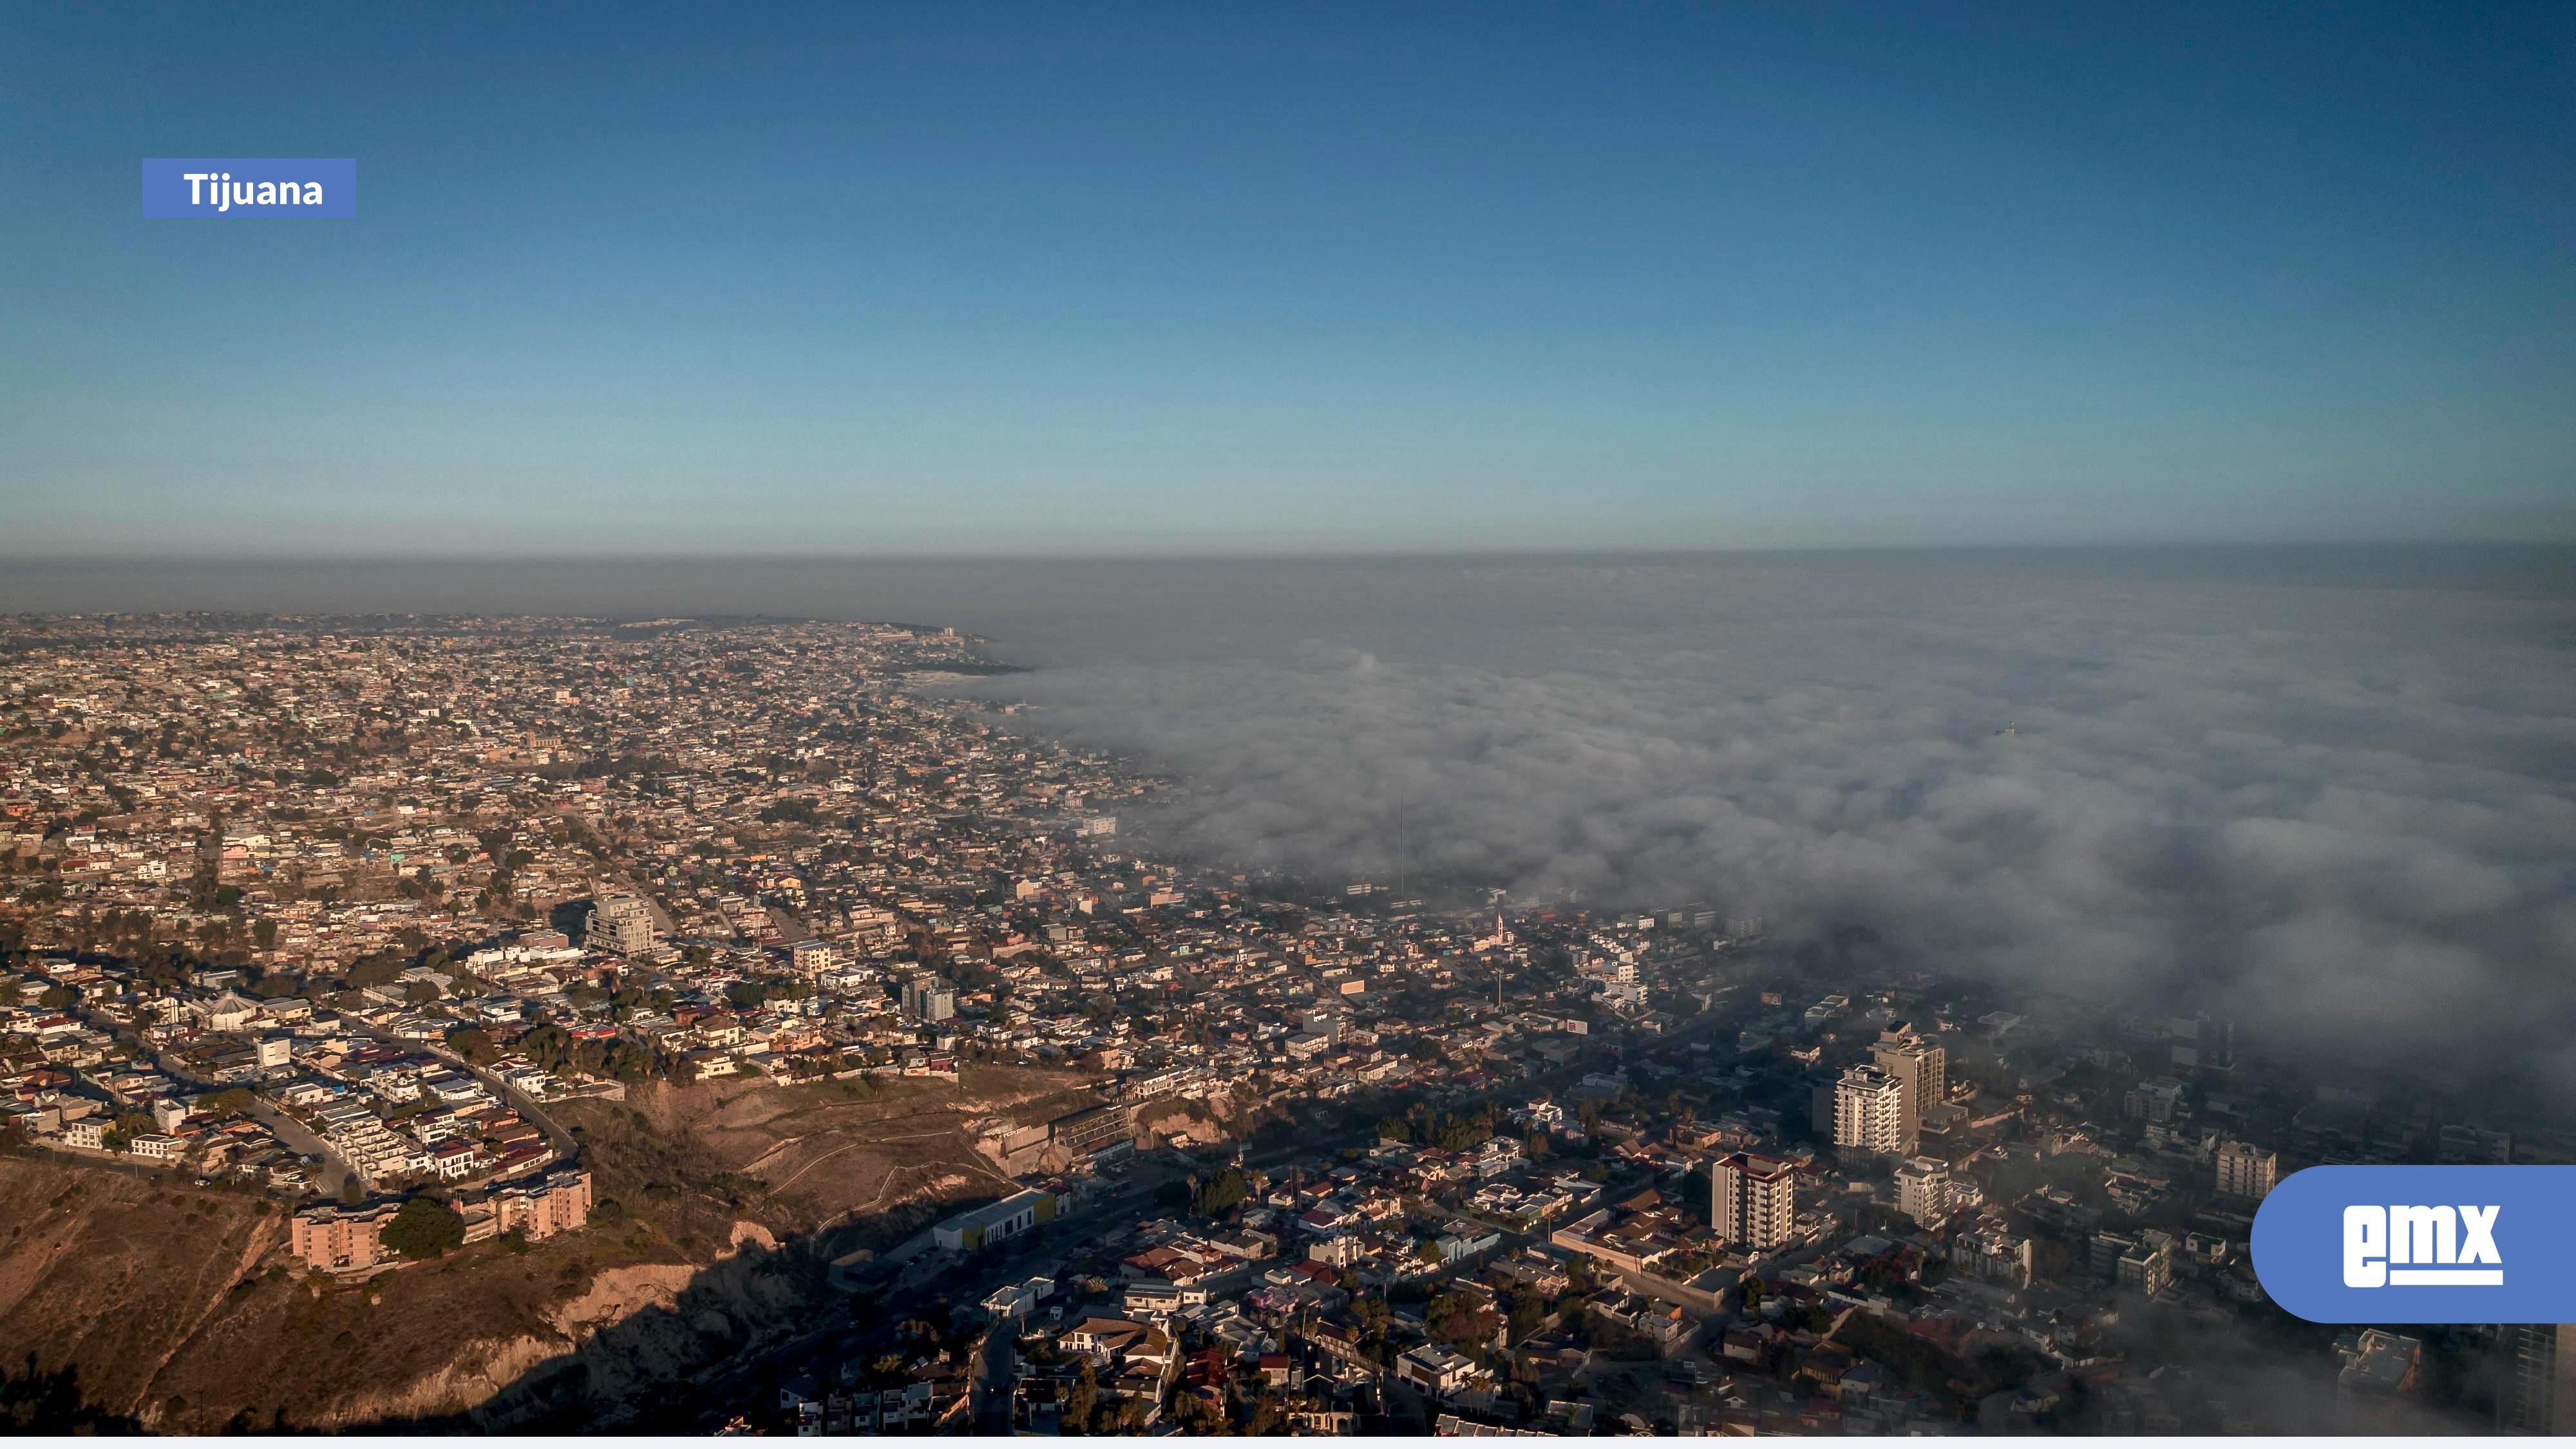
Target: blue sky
990 279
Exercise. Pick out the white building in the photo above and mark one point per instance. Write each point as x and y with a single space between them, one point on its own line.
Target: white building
1923 1190
623 924
1869 1112
1990 1252
226 1012
929 998
1921 1066
2245 1170
1016 1300
1436 1369
993 1222
2157 1101
1752 1199
2148 1267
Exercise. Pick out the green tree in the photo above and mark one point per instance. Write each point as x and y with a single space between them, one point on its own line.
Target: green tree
1220 1193
547 1046
1372 1315
425 1228
1082 1398
474 1044
1460 1321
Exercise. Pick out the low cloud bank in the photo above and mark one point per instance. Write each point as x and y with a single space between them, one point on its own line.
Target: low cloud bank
2341 813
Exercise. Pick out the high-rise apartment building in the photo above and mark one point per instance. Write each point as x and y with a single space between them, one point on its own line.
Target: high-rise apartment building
929 998
2245 1170
623 924
2158 1101
1751 1199
2148 1266
1923 1190
1920 1064
2459 1142
1869 1112
2538 1395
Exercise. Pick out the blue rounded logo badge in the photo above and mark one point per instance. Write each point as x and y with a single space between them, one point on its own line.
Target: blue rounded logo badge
2420 1244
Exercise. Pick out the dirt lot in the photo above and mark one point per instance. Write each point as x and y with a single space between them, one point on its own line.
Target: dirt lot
804 1157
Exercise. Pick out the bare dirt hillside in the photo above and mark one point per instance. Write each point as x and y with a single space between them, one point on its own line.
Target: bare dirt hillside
178 1307
103 1273
823 1153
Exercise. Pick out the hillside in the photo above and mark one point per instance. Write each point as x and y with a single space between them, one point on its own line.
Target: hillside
810 1156
178 1307
105 1273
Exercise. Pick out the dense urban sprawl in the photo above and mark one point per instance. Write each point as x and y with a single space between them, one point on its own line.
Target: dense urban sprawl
334 908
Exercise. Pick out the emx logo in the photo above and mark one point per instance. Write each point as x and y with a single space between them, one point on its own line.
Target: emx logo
2377 1239
2419 1245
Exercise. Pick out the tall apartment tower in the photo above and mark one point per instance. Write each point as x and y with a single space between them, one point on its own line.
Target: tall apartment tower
1751 1199
2538 1395
2148 1267
1869 1113
1923 1190
929 998
622 924
1922 1066
2245 1170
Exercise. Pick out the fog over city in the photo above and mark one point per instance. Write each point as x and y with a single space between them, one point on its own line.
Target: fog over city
2326 793
2338 813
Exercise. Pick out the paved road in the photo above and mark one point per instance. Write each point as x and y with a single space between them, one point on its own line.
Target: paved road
335 1168
567 1151
298 1138
994 1368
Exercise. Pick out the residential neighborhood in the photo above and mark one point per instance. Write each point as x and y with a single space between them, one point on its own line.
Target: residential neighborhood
333 910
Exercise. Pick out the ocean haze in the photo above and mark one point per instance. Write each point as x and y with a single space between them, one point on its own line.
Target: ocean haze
2325 792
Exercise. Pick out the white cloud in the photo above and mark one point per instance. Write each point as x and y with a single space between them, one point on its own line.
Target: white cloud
2342 812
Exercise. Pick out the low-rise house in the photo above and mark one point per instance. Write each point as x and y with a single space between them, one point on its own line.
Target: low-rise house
1437 1370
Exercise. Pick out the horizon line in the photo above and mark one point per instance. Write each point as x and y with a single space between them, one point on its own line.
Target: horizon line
2320 545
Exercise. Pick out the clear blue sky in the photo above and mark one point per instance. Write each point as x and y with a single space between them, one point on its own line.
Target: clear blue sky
1107 279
